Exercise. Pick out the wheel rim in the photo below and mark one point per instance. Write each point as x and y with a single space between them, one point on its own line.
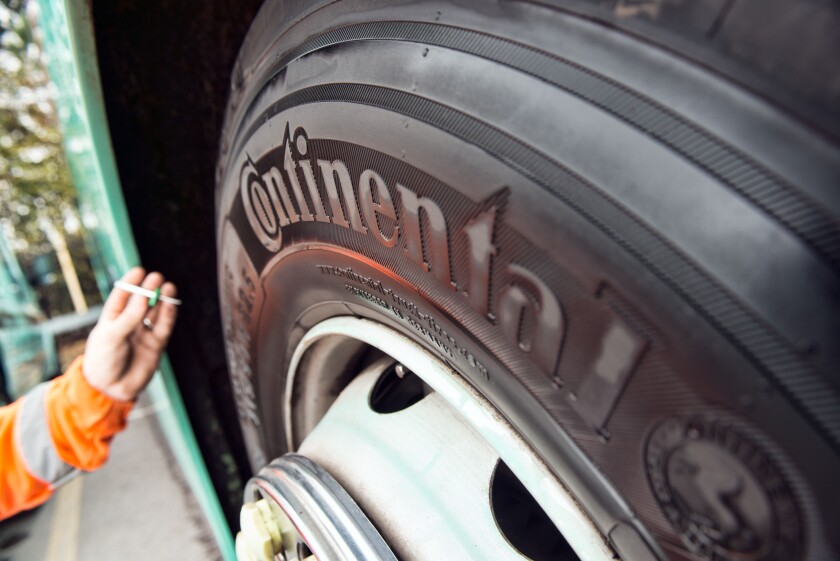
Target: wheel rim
312 509
372 454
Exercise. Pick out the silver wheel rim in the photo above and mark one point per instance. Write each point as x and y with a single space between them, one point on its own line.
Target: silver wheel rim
312 508
462 400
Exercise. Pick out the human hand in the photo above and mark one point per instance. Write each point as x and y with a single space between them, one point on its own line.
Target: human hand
121 354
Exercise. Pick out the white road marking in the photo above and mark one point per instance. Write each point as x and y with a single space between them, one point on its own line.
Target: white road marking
63 541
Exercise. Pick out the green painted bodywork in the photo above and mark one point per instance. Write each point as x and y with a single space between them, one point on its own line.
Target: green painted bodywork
69 40
27 352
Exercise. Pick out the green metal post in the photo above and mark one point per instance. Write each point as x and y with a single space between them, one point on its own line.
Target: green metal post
69 40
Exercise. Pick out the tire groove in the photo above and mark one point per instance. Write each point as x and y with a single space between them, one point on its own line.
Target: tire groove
797 213
806 389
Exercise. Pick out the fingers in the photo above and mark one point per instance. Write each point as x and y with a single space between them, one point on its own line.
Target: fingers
133 313
150 344
118 298
164 315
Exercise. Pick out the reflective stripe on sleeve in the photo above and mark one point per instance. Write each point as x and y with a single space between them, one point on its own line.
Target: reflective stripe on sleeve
32 433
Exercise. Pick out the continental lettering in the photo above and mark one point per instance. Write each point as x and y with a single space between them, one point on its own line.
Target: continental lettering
329 171
276 187
301 188
291 172
381 205
479 233
435 257
260 208
528 295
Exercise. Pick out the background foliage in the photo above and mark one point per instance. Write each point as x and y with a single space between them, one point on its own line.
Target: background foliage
36 187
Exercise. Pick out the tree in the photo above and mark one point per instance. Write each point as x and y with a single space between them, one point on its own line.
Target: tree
37 197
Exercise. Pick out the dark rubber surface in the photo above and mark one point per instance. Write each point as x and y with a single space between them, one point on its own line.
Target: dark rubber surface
749 178
662 295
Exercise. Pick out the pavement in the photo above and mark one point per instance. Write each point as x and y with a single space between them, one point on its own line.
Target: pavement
138 507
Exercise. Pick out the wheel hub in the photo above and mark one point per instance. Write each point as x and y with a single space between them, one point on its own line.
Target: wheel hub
422 467
315 516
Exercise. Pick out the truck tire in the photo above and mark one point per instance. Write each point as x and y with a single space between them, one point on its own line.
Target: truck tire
633 257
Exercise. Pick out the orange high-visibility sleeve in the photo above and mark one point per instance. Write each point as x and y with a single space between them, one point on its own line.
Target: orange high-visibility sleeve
48 435
19 489
82 419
